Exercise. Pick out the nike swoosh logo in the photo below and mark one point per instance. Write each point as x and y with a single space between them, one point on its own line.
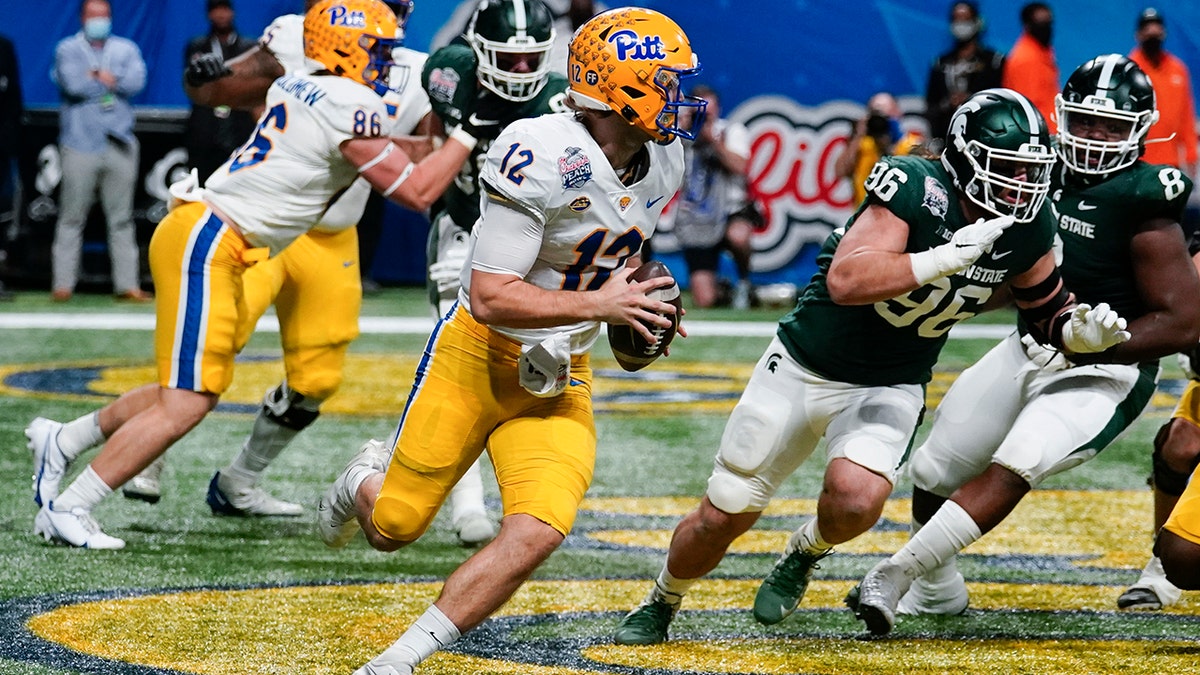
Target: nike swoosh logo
996 255
476 120
1084 206
652 202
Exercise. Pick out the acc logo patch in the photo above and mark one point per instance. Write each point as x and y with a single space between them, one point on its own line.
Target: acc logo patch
633 47
575 168
937 200
580 204
443 82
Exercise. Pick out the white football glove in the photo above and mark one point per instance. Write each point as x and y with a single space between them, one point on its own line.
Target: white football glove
445 273
1185 364
1091 330
1045 358
964 248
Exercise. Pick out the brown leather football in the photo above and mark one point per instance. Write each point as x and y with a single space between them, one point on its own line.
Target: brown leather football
629 348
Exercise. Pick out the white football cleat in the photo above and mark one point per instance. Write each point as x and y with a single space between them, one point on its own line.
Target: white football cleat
147 485
949 598
474 529
76 528
337 520
371 669
1152 590
49 462
226 498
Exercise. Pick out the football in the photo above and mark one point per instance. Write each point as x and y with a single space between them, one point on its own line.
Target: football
629 348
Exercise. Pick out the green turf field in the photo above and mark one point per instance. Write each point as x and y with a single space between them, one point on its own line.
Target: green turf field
192 593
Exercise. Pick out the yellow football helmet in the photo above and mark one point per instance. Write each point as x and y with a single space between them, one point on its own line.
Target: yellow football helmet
352 38
632 61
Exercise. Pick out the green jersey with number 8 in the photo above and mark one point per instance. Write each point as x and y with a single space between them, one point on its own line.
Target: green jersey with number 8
897 341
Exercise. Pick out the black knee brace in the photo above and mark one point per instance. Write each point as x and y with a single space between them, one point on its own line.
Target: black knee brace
289 409
1164 478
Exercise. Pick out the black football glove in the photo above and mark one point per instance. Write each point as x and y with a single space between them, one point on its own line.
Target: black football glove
206 68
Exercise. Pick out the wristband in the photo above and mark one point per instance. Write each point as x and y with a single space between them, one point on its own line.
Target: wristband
464 138
925 266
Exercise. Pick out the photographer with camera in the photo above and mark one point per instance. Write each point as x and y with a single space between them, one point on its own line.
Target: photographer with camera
876 135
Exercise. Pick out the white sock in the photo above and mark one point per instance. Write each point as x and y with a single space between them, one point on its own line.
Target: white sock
807 538
267 439
431 632
941 574
668 588
949 531
80 434
85 492
466 497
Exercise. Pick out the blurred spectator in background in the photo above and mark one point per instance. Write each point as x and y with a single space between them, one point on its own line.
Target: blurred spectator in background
874 136
1172 139
213 133
97 73
568 16
1031 67
968 67
11 111
714 211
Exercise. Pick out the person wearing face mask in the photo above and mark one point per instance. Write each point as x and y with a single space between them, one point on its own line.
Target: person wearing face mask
97 74
878 134
214 132
1173 139
968 67
1031 67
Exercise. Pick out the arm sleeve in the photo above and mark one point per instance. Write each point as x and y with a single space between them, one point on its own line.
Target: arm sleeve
509 239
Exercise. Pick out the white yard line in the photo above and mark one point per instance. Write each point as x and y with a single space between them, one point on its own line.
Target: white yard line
396 325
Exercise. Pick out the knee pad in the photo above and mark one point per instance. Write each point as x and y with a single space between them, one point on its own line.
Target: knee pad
1163 477
290 409
728 492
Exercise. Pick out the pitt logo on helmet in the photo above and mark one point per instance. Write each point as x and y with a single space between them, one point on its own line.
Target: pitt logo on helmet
632 46
340 16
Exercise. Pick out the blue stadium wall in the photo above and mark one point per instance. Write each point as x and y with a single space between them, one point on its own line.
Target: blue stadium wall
795 72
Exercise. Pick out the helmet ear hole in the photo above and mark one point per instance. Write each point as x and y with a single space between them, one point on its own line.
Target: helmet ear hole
632 92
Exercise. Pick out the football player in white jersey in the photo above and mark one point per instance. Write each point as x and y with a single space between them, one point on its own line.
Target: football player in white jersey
319 133
570 197
301 282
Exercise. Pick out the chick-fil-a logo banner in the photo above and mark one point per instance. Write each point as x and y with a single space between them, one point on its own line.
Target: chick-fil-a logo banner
793 150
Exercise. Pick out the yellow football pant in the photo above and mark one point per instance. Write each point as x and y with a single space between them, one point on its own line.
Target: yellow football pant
1185 518
316 287
466 397
197 263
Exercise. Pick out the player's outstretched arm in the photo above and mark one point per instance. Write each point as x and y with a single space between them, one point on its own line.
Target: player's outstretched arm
241 84
396 176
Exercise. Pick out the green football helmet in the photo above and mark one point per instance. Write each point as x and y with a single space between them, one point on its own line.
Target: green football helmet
502 33
1107 95
998 152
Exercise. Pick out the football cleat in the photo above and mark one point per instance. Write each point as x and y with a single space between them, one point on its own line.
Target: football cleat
225 498
874 600
337 520
949 598
782 590
1152 590
646 625
474 529
147 485
76 528
49 462
373 669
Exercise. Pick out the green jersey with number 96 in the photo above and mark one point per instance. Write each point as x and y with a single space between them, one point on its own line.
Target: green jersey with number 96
897 341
